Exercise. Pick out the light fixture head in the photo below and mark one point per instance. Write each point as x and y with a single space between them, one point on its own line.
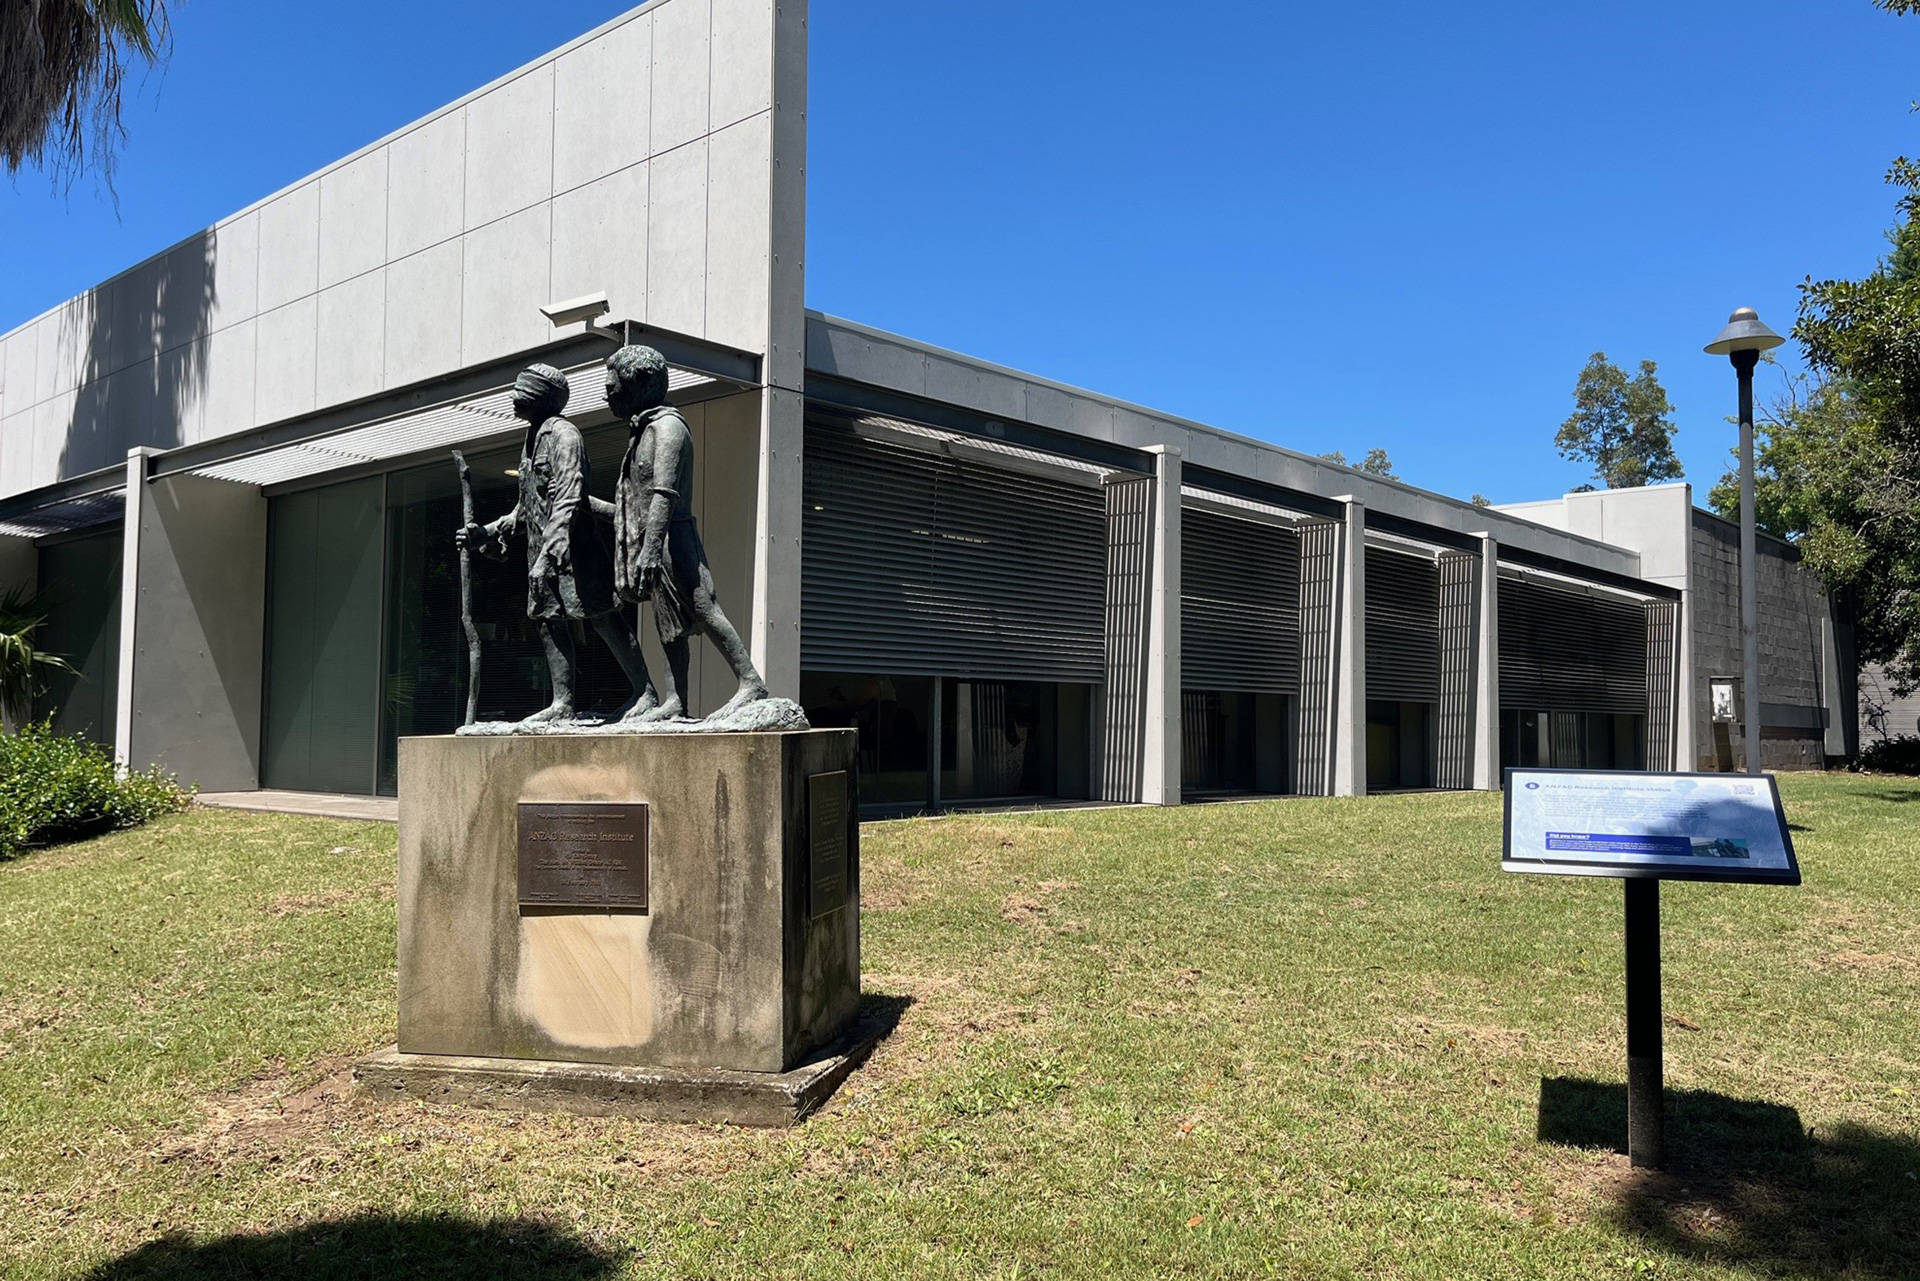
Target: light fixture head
575 310
1744 332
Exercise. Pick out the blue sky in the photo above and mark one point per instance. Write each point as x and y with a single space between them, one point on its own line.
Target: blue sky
1331 226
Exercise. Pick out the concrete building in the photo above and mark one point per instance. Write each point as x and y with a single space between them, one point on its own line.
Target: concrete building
229 467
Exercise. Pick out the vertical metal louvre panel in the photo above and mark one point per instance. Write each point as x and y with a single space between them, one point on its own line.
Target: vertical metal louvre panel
916 561
1662 663
1571 652
1319 610
1122 714
1239 605
1403 627
1459 590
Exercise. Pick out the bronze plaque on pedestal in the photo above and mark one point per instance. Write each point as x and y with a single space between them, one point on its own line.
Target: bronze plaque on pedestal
827 842
590 855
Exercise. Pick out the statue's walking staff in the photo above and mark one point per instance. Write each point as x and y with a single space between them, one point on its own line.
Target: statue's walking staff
466 590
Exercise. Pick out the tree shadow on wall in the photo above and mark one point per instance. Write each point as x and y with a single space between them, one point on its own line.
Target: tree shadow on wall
139 350
1746 1185
371 1246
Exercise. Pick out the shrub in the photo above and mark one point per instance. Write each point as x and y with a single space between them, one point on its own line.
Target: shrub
55 789
1889 756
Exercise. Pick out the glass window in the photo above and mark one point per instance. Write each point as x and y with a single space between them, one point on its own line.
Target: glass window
1400 744
894 717
80 590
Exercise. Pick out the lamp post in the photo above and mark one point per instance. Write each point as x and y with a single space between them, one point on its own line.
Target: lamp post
1741 342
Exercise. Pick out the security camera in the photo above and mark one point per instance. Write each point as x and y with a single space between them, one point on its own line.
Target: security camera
575 310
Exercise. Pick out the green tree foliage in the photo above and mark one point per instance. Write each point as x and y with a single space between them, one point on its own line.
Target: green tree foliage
62 66
1622 426
23 667
1376 463
1837 469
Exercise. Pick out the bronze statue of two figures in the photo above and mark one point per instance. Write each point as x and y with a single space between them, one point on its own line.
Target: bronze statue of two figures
656 557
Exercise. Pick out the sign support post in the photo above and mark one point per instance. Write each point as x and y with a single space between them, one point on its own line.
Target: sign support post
1646 1096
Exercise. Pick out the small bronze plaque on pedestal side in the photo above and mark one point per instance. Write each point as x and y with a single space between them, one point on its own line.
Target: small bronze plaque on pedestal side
591 855
828 801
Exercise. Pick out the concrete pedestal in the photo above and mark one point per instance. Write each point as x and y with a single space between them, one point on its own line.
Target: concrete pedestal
737 965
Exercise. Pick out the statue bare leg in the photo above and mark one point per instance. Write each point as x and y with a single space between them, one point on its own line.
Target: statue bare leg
731 647
614 631
674 705
557 639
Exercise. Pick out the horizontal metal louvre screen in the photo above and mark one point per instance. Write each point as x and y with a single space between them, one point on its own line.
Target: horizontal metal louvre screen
1570 652
917 561
1403 627
1239 605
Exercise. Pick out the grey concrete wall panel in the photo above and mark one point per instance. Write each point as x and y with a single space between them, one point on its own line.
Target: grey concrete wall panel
236 272
506 264
351 351
742 50
16 452
423 329
427 184
682 67
353 218
510 147
290 246
1882 714
600 241
491 192
977 389
677 239
726 490
602 106
230 366
285 370
739 234
198 631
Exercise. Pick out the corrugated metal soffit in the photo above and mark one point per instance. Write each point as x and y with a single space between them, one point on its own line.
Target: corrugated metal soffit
1663 665
1570 651
1403 627
1459 648
917 561
1239 605
1320 551
1121 709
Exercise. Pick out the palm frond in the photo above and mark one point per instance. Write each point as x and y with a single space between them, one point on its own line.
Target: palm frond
62 67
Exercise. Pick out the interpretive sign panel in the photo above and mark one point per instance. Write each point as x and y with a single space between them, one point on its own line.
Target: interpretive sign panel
1683 827
587 855
827 842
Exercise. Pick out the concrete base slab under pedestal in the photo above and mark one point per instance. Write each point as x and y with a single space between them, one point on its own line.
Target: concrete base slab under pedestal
713 1096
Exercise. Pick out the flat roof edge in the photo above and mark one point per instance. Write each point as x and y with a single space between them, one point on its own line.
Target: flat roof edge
1412 491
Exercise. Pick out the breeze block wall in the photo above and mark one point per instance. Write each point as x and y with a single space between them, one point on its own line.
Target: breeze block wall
1792 607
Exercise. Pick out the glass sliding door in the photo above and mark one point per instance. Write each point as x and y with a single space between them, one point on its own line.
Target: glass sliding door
323 638
80 589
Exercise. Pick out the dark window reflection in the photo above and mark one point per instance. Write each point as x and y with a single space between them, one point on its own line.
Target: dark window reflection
997 740
1401 744
1572 740
425 651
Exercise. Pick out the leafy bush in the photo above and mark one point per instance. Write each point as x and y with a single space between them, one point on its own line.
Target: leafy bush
1889 756
55 789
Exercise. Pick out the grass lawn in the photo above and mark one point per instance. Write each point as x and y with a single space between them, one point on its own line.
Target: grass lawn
1300 1038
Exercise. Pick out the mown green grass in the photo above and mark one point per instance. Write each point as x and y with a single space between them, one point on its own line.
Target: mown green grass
1298 1038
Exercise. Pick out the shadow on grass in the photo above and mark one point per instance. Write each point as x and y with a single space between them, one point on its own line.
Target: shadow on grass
1747 1185
372 1246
